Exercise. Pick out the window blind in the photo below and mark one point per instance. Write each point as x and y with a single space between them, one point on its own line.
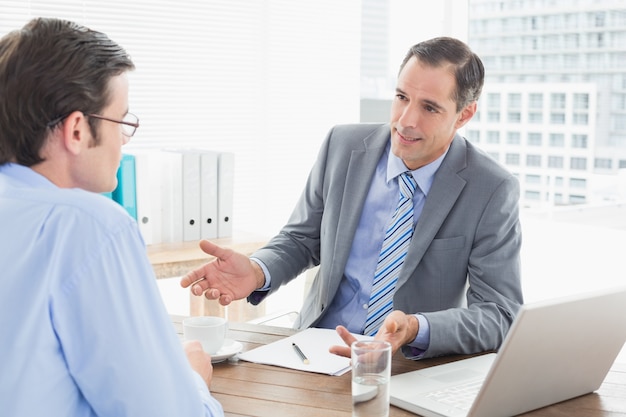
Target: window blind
263 79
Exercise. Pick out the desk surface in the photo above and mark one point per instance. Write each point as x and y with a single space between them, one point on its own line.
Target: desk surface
249 389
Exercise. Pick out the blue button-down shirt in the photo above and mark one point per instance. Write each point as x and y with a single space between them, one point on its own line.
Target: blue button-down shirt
84 329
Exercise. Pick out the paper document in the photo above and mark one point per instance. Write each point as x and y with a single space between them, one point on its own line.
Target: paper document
313 344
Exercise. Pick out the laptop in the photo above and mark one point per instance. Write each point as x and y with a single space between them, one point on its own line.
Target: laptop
554 351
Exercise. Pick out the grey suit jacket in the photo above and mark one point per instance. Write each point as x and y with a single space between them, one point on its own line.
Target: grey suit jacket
462 271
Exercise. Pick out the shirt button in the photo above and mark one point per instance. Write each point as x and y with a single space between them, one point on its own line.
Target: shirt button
365 306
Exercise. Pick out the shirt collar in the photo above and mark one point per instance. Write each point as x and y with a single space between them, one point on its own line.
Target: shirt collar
26 175
423 176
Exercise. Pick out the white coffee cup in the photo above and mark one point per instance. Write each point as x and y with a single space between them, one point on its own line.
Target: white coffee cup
210 331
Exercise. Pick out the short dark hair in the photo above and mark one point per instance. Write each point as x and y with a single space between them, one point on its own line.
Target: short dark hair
469 72
48 69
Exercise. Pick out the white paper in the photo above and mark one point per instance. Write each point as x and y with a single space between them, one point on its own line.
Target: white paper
313 342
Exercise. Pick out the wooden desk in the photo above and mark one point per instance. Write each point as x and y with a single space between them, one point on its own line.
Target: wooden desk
249 389
176 259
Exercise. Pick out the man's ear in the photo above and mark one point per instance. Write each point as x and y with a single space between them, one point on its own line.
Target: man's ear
466 114
76 132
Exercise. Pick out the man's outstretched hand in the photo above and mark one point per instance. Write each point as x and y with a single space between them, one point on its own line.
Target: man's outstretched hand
230 276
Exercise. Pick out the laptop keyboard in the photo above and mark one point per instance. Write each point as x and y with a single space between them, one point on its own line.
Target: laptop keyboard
460 396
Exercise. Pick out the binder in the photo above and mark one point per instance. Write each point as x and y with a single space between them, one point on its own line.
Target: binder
148 194
172 196
124 194
225 187
191 195
208 194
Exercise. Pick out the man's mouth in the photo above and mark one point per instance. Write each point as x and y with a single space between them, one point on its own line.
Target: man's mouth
407 138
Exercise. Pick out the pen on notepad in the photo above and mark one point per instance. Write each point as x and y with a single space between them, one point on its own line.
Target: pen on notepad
299 352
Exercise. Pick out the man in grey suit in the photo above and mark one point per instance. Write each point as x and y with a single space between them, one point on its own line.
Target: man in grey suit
459 287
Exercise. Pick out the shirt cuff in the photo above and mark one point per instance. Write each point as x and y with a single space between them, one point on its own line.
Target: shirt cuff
266 273
212 407
419 346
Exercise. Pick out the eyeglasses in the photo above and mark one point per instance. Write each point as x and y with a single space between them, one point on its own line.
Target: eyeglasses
130 123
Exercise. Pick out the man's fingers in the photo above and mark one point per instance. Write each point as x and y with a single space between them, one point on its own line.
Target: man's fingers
348 338
340 350
194 277
212 249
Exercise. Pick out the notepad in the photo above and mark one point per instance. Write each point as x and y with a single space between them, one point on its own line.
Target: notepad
314 344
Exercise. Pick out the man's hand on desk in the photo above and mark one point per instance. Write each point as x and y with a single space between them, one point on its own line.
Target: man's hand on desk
398 329
230 276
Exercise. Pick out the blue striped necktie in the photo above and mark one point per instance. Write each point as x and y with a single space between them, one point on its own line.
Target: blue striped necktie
391 258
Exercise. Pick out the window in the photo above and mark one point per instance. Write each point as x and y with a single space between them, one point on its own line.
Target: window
473 136
493 116
512 159
618 121
532 195
581 101
579 141
514 100
493 136
493 100
533 160
558 198
577 183
571 60
602 163
513 138
533 179
535 117
580 119
535 100
578 163
514 117
557 101
557 140
557 118
534 139
577 199
555 162
599 19
197 60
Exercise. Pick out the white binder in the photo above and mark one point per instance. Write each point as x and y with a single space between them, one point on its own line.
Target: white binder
191 195
208 194
225 186
172 196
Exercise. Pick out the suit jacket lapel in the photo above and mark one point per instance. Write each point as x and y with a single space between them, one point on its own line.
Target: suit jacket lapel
361 167
447 187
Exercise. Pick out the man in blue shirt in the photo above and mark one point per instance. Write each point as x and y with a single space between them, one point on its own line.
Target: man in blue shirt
457 287
84 330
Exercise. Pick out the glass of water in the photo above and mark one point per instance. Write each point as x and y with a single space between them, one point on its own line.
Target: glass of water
371 372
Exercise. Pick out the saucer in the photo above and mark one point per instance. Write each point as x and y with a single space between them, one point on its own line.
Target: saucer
231 347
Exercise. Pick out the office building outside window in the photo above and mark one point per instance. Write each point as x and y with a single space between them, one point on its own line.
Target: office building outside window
559 65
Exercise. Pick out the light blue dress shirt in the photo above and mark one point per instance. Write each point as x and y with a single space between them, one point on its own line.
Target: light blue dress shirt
349 307
84 329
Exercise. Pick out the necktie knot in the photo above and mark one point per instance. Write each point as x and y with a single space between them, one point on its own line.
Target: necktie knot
407 184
